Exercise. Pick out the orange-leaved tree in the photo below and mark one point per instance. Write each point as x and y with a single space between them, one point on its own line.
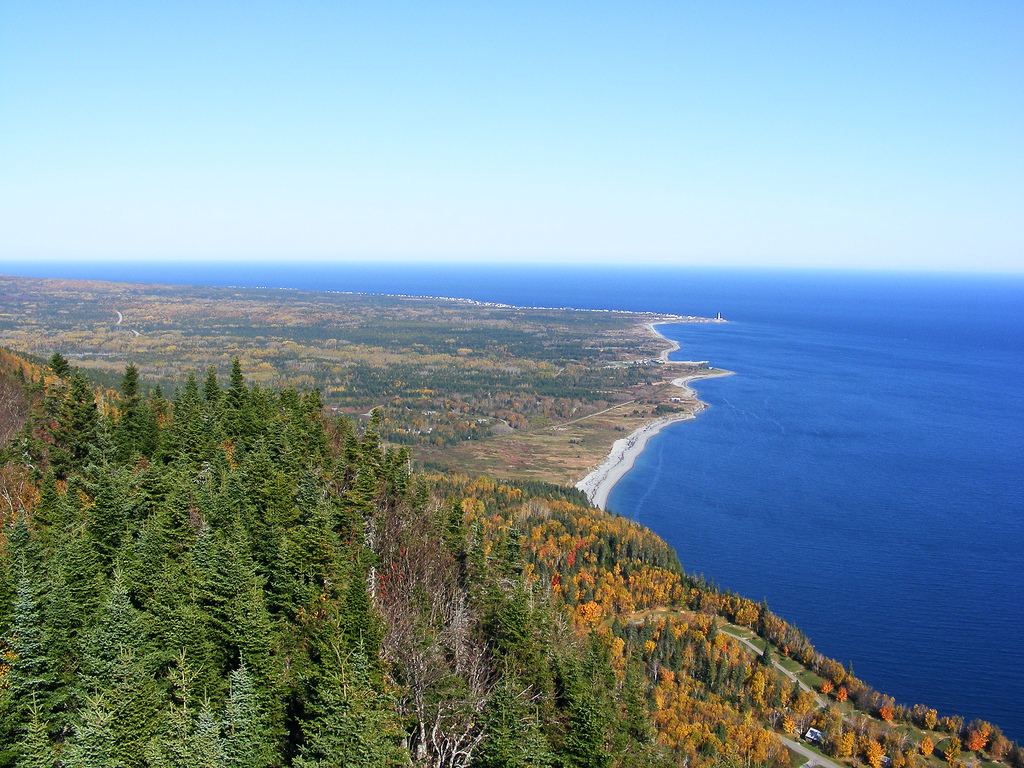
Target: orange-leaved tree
977 735
887 710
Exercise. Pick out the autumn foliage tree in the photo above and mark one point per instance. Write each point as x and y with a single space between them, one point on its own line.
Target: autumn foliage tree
886 711
952 750
846 744
872 752
978 733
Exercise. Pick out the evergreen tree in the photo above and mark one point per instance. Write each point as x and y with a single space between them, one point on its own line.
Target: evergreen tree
25 552
48 510
636 720
256 637
243 725
354 725
59 365
152 415
79 431
94 743
185 740
62 622
238 416
29 678
762 619
361 626
583 745
185 439
116 630
82 570
36 751
108 516
128 434
513 738
135 704
211 390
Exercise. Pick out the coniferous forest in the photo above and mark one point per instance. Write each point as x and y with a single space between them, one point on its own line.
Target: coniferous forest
226 576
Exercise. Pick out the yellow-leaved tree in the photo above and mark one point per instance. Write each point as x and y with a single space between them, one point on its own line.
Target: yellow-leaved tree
927 746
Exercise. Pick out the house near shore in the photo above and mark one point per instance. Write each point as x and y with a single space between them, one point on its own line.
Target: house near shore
814 736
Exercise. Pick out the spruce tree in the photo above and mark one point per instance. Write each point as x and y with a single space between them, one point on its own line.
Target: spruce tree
237 406
583 745
81 428
30 679
256 637
354 724
82 570
128 434
513 737
35 750
93 745
184 439
211 390
243 724
360 624
48 510
636 720
135 703
117 629
108 516
185 740
154 411
62 623
59 365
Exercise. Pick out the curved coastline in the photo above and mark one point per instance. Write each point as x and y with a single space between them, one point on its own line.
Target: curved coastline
598 483
663 355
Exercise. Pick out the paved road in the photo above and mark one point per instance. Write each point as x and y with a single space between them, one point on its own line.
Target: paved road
803 686
813 758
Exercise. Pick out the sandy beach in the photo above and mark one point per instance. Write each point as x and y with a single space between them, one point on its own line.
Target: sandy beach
663 357
598 483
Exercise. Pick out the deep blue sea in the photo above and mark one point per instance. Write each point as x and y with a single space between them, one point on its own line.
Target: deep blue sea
863 470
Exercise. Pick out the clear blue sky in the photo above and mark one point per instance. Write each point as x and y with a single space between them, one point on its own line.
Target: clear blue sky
854 134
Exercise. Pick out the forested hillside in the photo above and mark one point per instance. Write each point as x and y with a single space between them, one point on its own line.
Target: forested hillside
230 578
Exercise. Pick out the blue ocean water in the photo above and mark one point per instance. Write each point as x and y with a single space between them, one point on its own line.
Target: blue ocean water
863 470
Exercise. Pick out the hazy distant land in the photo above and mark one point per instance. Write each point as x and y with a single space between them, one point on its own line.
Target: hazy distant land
518 392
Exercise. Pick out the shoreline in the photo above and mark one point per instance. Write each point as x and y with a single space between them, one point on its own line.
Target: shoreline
599 482
663 355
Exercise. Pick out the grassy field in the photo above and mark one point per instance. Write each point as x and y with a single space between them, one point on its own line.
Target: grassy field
563 452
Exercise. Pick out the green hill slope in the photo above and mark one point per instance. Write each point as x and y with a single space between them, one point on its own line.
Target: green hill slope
230 578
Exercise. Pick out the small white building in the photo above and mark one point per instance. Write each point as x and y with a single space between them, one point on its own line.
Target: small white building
814 736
